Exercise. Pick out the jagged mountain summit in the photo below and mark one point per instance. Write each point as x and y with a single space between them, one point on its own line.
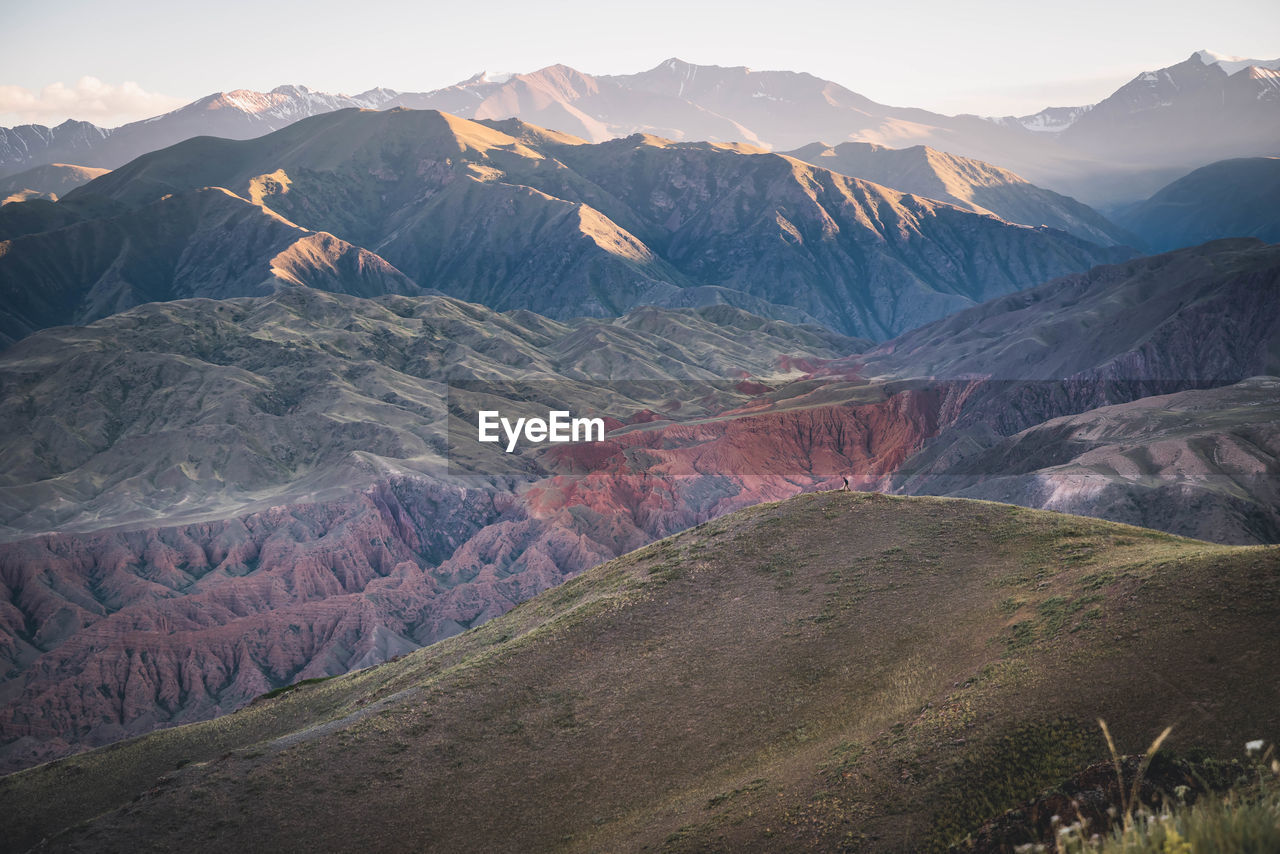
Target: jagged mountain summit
1150 87
1232 64
1166 122
514 216
238 114
1183 112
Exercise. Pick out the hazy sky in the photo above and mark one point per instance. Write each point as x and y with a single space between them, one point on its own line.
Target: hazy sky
111 61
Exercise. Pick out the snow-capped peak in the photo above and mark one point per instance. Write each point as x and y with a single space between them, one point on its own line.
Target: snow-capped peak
481 78
488 77
1050 120
248 101
1232 64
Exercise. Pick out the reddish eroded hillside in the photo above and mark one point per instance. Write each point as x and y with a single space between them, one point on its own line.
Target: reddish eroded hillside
839 671
113 634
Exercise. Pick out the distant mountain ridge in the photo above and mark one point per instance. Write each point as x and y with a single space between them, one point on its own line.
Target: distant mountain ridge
965 182
1230 198
1058 119
46 182
1184 111
238 114
1118 150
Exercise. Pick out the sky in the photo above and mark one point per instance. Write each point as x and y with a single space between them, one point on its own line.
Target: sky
113 61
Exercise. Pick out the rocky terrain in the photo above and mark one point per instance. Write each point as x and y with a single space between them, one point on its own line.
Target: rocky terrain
814 587
207 243
492 212
966 183
1203 463
298 393
929 662
1207 314
1059 382
310 499
333 433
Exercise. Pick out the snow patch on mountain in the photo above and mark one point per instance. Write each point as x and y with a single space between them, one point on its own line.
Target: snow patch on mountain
1232 64
1050 120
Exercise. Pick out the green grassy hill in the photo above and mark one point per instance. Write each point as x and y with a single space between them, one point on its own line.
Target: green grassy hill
834 672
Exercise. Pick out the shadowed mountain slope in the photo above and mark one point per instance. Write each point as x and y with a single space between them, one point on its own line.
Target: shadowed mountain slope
1210 314
1201 463
207 243
1232 198
925 663
493 212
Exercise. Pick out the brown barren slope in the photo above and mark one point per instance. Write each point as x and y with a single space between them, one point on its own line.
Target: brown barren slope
835 672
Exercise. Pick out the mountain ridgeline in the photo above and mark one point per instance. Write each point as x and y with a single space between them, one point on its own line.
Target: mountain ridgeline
514 216
838 671
1151 130
1231 198
966 183
317 498
46 182
240 376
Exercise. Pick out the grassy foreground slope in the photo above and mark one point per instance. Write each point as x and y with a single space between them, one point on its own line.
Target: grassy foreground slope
834 672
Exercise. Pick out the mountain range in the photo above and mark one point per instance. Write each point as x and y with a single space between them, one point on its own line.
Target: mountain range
1147 133
277 468
775 606
493 211
966 183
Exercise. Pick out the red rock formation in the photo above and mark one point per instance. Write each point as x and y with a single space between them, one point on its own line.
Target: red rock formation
112 634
